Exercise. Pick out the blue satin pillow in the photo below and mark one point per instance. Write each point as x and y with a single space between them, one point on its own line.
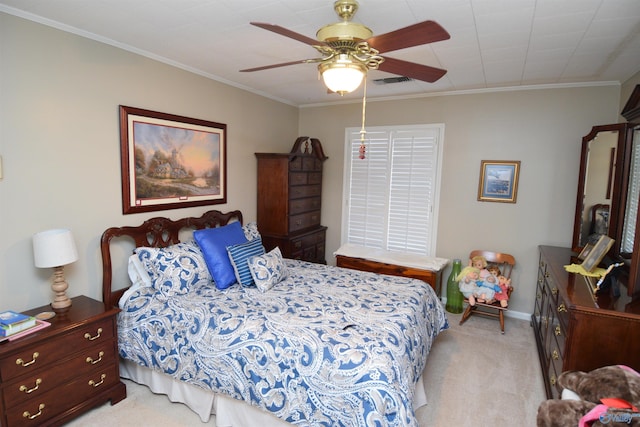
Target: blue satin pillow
213 242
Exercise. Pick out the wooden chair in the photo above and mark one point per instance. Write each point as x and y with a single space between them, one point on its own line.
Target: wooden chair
506 263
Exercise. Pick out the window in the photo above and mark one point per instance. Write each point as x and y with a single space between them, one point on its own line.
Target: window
390 196
631 213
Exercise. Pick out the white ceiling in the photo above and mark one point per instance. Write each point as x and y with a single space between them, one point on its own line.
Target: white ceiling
494 43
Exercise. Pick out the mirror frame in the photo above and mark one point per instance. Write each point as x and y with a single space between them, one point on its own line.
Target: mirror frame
616 214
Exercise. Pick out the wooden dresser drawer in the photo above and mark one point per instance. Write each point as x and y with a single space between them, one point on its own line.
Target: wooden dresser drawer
47 379
298 178
304 205
44 353
299 191
304 220
37 410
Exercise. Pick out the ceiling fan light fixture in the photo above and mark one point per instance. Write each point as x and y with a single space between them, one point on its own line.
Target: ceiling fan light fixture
343 74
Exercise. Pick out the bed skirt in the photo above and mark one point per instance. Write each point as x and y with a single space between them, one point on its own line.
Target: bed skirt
229 412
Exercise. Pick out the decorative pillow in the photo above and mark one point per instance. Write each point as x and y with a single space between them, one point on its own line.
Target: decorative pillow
251 231
214 242
267 269
176 269
239 254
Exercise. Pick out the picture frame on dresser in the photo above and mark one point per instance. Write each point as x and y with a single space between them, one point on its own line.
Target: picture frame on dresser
170 161
597 253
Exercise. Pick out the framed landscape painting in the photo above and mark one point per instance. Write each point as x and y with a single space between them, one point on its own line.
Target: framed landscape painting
498 181
170 161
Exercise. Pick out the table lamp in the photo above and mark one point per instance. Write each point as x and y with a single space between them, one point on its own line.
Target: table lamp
55 248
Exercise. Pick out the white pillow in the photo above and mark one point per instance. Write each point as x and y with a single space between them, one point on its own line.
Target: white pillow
138 276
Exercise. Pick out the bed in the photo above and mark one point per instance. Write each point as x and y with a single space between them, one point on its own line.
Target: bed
322 346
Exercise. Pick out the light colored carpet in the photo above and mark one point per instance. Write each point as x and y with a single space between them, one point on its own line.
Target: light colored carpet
475 376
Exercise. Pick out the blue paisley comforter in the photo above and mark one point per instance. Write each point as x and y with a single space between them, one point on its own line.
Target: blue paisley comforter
326 346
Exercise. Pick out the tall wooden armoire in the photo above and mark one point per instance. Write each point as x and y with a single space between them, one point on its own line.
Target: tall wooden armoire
289 201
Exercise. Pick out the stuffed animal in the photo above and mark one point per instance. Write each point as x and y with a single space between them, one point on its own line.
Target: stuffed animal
481 264
608 396
487 289
503 295
468 283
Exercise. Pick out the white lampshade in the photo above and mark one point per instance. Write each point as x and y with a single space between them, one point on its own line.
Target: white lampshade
54 248
342 75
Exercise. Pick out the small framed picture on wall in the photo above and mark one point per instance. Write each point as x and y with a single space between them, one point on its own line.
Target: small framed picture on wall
498 181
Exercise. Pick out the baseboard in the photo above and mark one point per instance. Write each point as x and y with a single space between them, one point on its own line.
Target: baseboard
509 313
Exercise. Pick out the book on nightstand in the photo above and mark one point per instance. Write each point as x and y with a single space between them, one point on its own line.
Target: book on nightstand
12 323
40 324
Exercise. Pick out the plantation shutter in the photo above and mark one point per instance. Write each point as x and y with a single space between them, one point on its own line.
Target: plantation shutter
390 195
629 232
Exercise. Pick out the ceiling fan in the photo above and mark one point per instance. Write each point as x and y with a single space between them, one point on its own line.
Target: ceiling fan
348 49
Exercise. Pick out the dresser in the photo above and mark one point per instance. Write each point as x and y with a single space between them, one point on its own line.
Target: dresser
289 201
57 373
575 329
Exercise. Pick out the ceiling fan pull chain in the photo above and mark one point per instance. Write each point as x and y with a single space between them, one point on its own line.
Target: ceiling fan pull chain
363 132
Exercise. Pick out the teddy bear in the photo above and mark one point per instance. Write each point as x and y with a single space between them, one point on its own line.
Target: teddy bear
607 396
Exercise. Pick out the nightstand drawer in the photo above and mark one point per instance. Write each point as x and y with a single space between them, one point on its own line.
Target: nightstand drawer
36 411
45 380
44 353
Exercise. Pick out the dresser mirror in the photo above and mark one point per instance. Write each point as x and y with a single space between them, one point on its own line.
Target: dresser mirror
609 191
599 188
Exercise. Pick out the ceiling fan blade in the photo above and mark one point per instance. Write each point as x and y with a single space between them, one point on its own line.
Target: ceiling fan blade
288 33
411 70
413 35
283 64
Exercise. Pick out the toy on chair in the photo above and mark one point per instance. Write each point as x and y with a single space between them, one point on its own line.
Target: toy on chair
468 283
505 290
488 298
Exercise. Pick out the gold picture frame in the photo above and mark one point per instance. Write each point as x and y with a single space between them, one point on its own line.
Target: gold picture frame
595 255
498 181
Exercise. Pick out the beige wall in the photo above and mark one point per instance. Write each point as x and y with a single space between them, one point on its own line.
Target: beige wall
59 97
541 128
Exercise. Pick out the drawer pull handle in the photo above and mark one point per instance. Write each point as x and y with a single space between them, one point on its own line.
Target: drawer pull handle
95 337
552 380
562 308
299 222
33 360
558 331
98 384
555 355
31 390
98 360
27 414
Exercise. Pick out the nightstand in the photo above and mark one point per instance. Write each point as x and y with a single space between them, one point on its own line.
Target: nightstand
59 372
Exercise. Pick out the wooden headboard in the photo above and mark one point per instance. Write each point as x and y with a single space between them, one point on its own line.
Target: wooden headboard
156 232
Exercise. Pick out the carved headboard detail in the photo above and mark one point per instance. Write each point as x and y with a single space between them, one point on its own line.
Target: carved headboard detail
156 232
